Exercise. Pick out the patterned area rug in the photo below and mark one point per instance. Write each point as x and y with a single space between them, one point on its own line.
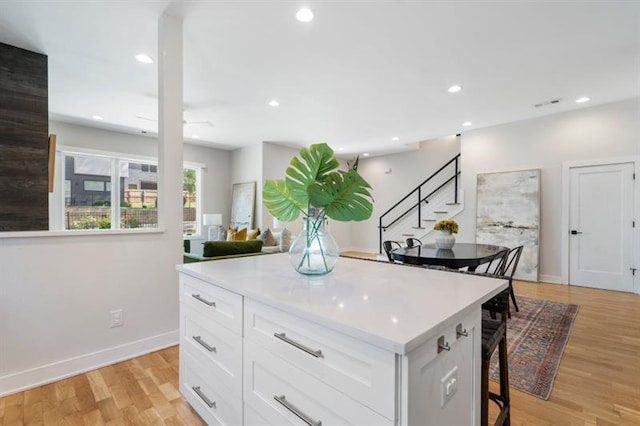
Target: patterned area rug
536 336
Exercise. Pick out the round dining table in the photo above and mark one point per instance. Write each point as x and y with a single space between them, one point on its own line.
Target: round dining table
470 255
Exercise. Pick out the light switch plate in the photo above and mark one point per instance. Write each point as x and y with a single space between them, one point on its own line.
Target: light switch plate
448 385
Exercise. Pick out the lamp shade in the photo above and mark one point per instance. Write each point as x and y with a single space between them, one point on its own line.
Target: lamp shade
210 219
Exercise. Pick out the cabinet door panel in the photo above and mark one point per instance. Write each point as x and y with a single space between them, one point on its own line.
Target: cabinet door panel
214 346
214 403
283 394
219 305
362 371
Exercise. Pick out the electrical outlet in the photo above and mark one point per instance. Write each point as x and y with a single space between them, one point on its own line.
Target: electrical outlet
449 385
117 318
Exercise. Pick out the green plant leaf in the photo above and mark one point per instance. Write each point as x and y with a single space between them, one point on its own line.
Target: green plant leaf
317 162
279 201
344 196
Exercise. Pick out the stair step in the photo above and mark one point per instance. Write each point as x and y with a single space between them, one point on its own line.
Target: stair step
441 212
429 220
453 204
408 235
418 227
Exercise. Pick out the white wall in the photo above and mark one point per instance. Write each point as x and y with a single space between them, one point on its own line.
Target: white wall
56 292
408 170
611 130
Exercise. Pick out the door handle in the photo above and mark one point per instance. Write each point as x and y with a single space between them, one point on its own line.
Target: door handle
574 232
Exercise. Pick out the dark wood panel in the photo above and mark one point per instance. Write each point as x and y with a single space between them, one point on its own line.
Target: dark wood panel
24 133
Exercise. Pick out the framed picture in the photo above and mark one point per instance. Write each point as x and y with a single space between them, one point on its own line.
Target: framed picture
243 199
508 214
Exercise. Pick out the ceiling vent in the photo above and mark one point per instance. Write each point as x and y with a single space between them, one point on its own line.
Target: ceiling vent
546 103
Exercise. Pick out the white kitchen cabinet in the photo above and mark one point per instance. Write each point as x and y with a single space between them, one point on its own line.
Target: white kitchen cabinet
368 344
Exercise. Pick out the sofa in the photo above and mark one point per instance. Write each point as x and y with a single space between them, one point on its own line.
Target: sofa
214 250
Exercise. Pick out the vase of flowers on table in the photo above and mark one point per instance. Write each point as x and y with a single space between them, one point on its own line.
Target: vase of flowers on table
445 238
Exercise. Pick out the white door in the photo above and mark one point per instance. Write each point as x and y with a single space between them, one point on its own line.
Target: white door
601 226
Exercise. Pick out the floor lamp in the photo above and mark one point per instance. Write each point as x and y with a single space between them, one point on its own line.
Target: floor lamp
213 221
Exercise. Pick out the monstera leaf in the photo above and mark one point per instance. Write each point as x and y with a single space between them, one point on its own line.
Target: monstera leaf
317 162
313 181
279 201
344 196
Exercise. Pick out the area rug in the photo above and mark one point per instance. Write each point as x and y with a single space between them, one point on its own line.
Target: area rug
536 337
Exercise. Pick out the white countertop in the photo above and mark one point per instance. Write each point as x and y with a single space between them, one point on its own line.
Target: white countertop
391 306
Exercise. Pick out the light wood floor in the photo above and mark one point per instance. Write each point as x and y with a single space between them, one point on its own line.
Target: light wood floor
598 382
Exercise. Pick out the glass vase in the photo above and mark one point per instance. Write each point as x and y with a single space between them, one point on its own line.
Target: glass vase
314 251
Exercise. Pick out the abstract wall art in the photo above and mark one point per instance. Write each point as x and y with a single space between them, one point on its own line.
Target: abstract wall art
508 214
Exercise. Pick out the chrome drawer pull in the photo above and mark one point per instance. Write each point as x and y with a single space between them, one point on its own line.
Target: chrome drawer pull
302 416
283 337
203 397
203 300
204 344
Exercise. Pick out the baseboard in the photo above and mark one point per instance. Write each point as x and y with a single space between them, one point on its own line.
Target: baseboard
38 376
551 279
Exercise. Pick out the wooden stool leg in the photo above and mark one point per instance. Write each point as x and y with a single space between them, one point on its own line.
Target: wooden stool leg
484 393
504 379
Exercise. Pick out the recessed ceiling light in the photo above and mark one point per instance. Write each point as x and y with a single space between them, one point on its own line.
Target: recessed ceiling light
274 103
454 89
304 15
467 123
583 100
366 154
97 117
341 148
196 137
144 58
395 138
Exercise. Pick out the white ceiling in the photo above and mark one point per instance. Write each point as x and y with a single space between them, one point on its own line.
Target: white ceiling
360 74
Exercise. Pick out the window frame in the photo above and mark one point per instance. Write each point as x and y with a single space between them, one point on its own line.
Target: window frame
198 167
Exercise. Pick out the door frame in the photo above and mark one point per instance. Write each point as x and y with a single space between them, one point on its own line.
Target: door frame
564 228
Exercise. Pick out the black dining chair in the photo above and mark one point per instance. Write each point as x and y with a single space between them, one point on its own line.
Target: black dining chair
388 246
509 266
496 265
413 242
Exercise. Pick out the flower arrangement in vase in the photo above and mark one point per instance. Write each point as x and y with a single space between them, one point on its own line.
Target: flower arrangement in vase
445 240
315 188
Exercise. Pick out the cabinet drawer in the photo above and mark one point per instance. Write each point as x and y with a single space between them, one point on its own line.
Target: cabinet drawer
214 346
212 402
216 304
362 371
282 394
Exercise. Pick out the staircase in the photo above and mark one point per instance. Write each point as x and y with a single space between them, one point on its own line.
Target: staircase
437 197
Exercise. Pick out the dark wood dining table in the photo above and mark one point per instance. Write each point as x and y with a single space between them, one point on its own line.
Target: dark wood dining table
470 255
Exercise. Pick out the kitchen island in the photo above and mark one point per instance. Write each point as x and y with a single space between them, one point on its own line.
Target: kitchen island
371 343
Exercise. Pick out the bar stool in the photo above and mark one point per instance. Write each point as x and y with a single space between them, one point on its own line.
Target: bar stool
494 335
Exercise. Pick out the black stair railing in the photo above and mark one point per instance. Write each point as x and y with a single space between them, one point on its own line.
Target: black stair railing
417 191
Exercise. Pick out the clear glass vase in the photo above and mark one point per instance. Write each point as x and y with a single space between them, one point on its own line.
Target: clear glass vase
314 251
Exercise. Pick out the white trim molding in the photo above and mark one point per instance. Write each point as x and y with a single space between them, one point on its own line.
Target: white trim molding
564 228
27 379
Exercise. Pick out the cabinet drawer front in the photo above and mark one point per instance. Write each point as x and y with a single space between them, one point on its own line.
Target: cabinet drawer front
212 402
282 394
362 371
214 346
219 305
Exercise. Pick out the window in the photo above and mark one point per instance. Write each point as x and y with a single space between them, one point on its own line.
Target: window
111 191
87 200
192 204
97 187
